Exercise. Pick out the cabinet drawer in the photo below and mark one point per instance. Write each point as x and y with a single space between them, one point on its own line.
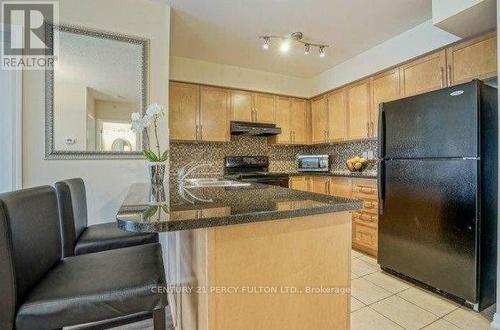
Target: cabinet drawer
368 219
365 190
365 236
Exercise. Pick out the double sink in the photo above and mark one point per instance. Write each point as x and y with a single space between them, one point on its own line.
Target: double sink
212 182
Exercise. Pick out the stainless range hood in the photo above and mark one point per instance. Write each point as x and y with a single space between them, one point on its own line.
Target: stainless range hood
255 129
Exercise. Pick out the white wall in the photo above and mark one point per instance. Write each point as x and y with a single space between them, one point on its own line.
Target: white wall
196 71
107 180
70 116
415 42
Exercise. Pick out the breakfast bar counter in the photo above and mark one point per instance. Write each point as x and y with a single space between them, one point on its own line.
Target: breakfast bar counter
249 256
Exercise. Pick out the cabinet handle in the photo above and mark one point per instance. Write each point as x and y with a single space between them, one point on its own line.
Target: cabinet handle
368 129
373 128
255 110
201 132
449 75
291 137
197 132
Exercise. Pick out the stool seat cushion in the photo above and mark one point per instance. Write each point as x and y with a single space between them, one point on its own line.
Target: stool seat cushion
95 287
108 236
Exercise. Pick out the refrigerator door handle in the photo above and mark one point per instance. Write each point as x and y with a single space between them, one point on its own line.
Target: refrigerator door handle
380 186
381 132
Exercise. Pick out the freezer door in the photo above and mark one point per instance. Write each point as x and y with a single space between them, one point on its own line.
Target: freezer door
428 224
443 123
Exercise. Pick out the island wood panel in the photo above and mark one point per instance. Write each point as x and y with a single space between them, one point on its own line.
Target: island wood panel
283 119
299 122
264 107
473 59
337 116
385 88
184 101
214 114
260 254
241 106
319 120
424 74
358 107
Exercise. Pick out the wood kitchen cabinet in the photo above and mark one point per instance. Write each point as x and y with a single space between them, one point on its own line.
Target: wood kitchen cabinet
214 114
299 183
320 185
299 122
358 107
242 106
337 116
252 107
385 88
198 113
365 221
283 120
424 74
184 103
291 117
319 120
472 59
341 186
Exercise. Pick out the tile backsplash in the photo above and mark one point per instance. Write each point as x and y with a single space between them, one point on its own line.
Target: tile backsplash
282 158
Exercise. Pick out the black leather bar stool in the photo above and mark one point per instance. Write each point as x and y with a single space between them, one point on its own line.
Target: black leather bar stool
41 290
77 236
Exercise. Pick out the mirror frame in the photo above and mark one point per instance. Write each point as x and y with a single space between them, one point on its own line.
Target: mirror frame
50 152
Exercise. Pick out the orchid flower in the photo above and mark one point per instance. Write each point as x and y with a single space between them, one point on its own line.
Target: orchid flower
141 123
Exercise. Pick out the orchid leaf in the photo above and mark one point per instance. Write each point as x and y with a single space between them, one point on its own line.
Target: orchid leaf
151 156
164 157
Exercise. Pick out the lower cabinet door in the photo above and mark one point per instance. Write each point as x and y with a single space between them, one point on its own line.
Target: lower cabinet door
299 183
365 237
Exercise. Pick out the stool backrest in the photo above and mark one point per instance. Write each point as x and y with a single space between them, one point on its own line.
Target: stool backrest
30 244
72 201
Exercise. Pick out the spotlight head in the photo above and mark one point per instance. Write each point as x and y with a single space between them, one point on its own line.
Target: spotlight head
307 49
322 51
267 42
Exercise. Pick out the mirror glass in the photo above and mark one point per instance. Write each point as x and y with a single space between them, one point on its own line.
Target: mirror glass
97 84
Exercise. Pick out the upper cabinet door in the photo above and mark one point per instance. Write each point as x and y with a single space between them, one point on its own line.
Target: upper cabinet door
358 105
241 106
337 116
319 120
264 105
283 111
299 122
385 88
424 75
472 59
214 114
183 111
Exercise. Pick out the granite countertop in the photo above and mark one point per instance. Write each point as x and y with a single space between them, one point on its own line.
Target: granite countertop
203 207
369 174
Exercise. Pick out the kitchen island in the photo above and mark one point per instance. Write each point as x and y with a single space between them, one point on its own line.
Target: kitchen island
250 256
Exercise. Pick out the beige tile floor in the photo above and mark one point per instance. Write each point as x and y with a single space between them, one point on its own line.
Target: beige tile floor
382 301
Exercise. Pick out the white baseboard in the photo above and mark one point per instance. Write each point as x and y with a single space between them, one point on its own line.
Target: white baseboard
495 324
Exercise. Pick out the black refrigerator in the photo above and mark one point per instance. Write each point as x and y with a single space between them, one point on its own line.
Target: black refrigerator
438 191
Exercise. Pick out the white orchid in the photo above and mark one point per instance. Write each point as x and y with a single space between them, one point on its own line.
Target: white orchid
141 123
154 109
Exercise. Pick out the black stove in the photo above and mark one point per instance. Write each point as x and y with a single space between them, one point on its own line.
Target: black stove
253 169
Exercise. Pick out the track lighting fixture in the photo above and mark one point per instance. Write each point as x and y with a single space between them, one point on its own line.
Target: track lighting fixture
295 37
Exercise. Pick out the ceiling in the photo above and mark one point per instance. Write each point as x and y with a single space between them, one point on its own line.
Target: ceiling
227 31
